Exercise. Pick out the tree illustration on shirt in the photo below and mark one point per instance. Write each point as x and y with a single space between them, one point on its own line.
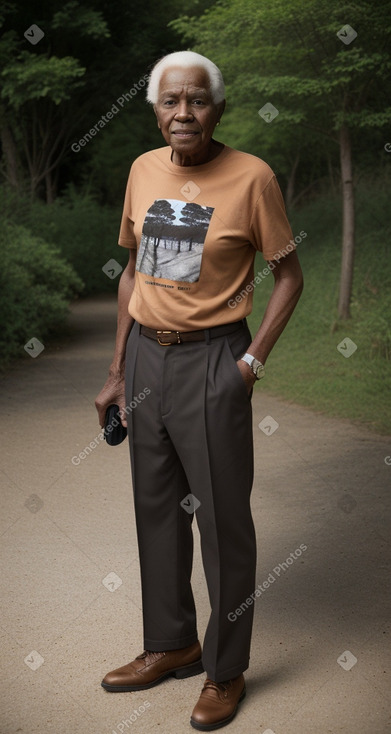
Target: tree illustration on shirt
172 240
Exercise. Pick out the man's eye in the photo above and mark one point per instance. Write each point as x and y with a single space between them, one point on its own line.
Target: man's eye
168 102
198 101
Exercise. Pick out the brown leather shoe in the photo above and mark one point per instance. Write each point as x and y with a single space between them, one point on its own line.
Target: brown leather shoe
150 668
218 703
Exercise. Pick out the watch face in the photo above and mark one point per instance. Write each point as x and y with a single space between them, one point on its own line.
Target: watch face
260 371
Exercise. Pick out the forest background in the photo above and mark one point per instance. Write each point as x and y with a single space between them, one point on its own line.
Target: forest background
308 90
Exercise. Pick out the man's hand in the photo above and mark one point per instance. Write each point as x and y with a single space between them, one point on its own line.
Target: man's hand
247 374
113 392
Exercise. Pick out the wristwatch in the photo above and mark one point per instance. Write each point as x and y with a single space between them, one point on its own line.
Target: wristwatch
256 366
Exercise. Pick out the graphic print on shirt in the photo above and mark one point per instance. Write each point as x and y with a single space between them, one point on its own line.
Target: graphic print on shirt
172 240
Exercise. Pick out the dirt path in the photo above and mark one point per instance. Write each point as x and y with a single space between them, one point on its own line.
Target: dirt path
71 598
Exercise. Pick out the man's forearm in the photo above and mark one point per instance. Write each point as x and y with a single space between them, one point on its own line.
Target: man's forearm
124 323
286 293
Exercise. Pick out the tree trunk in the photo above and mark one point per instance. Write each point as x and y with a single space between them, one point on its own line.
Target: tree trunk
346 281
290 189
331 175
10 156
50 187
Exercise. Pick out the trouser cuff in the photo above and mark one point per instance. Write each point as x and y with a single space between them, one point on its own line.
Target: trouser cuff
165 645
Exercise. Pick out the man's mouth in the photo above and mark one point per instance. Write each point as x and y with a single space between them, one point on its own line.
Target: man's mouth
184 133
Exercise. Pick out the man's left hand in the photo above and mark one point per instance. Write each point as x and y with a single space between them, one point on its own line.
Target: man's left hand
247 374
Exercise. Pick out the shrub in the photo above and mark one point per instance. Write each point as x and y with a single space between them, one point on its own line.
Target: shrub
85 232
36 285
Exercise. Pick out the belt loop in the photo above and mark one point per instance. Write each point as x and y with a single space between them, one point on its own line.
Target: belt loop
207 336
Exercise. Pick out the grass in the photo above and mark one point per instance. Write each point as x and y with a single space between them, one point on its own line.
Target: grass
305 366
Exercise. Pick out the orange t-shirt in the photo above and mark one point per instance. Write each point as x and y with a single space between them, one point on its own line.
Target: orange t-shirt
196 230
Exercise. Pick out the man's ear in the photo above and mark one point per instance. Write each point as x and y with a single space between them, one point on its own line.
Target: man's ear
221 108
158 123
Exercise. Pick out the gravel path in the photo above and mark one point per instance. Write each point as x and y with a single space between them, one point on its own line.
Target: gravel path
71 595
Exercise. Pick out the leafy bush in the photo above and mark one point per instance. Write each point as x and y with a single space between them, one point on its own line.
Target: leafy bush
36 285
85 232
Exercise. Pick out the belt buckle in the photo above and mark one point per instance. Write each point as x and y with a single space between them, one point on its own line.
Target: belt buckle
168 344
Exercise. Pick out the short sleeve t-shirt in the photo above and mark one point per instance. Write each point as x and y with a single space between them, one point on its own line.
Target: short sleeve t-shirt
196 230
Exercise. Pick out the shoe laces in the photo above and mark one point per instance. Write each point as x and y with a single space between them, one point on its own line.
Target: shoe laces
150 653
219 687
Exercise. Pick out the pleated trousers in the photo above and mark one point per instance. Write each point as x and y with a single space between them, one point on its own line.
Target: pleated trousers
191 450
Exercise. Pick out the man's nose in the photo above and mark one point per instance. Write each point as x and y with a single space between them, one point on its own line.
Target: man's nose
184 111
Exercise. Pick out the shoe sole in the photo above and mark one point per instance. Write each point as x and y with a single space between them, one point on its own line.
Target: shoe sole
185 672
219 724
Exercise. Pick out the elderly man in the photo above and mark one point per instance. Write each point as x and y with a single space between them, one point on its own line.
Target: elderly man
195 214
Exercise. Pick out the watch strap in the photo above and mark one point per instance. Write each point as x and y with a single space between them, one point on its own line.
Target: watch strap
248 358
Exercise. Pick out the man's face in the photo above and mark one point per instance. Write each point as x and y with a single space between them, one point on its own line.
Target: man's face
186 113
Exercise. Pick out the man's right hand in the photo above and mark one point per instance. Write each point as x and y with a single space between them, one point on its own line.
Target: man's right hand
113 392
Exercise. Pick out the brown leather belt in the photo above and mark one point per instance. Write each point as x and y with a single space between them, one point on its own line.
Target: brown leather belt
167 337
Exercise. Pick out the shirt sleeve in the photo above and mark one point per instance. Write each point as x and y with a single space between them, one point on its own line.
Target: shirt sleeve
126 232
270 230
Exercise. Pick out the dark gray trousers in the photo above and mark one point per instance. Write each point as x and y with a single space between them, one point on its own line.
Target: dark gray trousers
193 435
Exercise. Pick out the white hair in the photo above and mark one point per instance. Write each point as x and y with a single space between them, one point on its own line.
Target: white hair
186 59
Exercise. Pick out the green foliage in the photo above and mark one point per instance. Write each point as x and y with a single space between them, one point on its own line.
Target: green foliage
287 52
87 235
36 285
53 92
371 303
112 152
305 365
32 77
84 232
85 21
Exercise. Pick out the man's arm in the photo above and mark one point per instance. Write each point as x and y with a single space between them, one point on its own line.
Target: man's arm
113 390
288 285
